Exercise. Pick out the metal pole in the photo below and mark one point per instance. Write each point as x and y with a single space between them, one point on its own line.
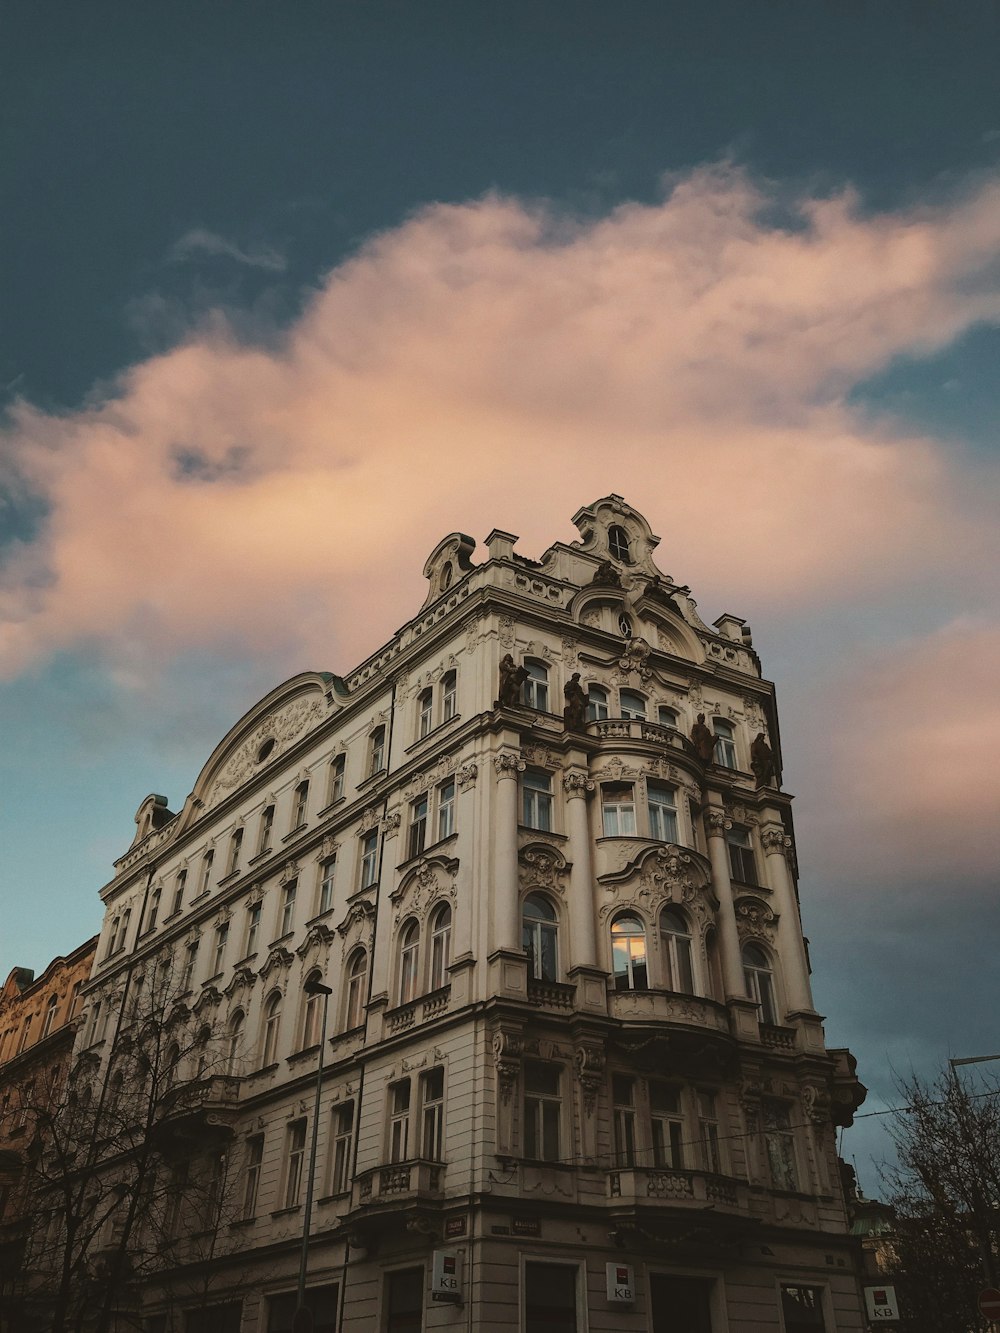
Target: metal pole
303 1321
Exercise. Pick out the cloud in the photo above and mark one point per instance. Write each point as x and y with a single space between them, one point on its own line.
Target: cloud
199 241
499 363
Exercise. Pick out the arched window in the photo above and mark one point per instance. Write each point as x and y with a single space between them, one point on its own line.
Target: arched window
425 713
540 937
618 544
536 686
201 1045
312 1007
409 958
50 1015
440 946
597 703
272 1029
171 1064
449 695
628 952
676 938
631 705
759 981
234 1042
354 1000
725 745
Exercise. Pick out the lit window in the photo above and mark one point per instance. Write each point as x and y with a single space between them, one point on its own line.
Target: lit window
300 801
312 1008
272 1030
357 976
440 946
759 981
266 824
628 949
540 937
327 873
376 751
409 956
623 1098
418 826
287 909
631 705
779 1140
676 940
253 929
667 1124
597 703
221 937
742 865
338 767
295 1157
369 859
399 1121
618 809
449 696
536 687
432 1115
251 1174
342 1134
662 809
235 846
536 793
542 1111
618 544
446 809
725 745
708 1132
425 713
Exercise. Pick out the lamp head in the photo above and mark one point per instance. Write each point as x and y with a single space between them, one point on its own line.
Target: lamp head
314 987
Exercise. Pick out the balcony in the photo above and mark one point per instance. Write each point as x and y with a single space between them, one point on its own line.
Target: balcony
431 1005
636 729
401 1182
198 1111
778 1038
642 1187
551 994
658 1006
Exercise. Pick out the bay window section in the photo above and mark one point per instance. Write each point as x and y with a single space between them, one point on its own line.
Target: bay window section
449 696
399 1121
759 981
628 951
631 705
432 1115
342 1137
539 937
446 810
675 937
440 946
618 809
536 687
623 1098
725 743
536 797
542 1111
597 703
742 865
779 1141
418 826
708 1132
661 806
409 952
667 1126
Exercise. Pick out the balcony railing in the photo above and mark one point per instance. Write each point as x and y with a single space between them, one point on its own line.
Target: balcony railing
778 1038
638 729
551 994
637 1185
670 1007
400 1181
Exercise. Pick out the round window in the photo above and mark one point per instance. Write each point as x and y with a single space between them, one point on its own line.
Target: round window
447 573
266 749
624 626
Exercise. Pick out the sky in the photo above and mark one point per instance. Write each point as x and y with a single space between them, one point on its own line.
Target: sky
290 292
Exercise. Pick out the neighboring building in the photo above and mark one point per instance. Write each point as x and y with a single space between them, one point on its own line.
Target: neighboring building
573 1072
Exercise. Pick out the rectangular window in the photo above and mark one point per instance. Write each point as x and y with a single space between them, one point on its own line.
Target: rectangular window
623 1096
342 1138
550 1303
708 1132
449 696
667 1123
369 859
321 1302
376 751
432 1115
542 1105
802 1309
287 908
536 792
251 1174
399 1121
446 809
221 938
618 809
418 826
301 800
404 1299
206 872
266 825
253 929
742 866
327 871
338 767
680 1303
235 848
597 704
779 1140
425 714
662 807
178 902
295 1153
190 960
153 909
95 1022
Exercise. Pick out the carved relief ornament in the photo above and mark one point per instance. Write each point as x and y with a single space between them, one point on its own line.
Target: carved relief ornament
589 1061
755 920
282 727
508 765
577 783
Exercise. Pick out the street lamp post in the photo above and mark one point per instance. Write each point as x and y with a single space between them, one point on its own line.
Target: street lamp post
303 1321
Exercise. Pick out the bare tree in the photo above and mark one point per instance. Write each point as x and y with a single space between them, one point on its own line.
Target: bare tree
128 1177
945 1190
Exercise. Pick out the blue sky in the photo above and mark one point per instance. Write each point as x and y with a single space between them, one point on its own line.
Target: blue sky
290 292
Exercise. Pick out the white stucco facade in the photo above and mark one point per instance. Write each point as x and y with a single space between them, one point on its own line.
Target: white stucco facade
571 1023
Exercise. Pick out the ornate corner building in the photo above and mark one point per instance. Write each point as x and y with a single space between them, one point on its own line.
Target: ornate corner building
538 847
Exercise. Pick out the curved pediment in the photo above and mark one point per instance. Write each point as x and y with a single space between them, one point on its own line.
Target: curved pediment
264 735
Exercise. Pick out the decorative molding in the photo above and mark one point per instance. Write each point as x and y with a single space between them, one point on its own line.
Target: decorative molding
283 727
508 765
634 661
466 776
507 1047
505 633
427 882
542 867
391 823
278 957
577 782
290 872
717 823
755 920
589 1061
774 840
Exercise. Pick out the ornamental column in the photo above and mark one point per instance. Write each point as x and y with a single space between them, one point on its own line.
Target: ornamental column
716 824
583 929
506 909
791 946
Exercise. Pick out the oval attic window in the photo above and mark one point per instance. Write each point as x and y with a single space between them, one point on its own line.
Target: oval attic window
265 749
446 576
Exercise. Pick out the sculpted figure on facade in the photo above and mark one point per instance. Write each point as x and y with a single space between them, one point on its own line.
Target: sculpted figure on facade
762 760
606 576
575 711
703 740
512 677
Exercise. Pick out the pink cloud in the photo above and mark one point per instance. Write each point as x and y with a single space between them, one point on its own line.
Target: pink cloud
498 364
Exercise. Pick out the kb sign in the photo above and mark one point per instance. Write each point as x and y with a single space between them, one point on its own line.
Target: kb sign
621 1284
